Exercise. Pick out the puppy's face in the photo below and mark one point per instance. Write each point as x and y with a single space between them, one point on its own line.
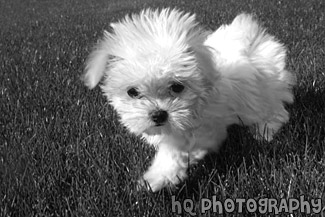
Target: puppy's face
157 71
158 93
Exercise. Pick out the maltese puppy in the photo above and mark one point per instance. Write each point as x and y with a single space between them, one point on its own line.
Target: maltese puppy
180 86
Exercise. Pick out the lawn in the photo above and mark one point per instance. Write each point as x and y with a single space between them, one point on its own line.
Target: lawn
63 152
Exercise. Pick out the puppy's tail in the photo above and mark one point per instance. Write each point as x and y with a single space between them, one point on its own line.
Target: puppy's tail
252 67
261 48
96 64
245 39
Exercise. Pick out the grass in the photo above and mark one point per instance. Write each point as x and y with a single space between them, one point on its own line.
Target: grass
63 152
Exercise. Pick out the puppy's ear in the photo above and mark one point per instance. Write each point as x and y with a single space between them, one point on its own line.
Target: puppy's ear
97 62
204 58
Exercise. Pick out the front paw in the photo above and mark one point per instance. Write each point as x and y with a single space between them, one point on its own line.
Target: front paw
155 181
262 132
152 184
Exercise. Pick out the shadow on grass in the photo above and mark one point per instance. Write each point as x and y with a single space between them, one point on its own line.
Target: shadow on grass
303 136
307 126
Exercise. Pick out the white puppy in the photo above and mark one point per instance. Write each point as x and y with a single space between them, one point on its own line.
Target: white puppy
180 86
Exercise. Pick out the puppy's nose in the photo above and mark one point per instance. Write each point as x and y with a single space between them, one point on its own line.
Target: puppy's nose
159 117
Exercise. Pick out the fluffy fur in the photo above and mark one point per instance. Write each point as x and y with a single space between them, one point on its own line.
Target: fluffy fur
199 81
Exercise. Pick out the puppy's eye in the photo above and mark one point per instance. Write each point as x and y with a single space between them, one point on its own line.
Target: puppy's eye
177 87
133 93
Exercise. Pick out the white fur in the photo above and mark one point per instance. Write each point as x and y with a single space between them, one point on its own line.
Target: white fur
235 75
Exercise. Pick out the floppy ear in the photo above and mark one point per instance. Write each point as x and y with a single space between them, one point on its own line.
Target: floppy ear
97 62
206 64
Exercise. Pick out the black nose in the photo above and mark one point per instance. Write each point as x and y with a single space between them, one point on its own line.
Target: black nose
159 116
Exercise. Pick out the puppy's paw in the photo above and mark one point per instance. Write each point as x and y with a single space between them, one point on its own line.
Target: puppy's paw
151 184
155 181
142 185
263 132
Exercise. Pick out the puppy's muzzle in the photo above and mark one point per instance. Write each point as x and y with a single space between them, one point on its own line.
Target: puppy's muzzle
159 117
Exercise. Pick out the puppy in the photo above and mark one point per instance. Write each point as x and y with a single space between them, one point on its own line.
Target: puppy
180 86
